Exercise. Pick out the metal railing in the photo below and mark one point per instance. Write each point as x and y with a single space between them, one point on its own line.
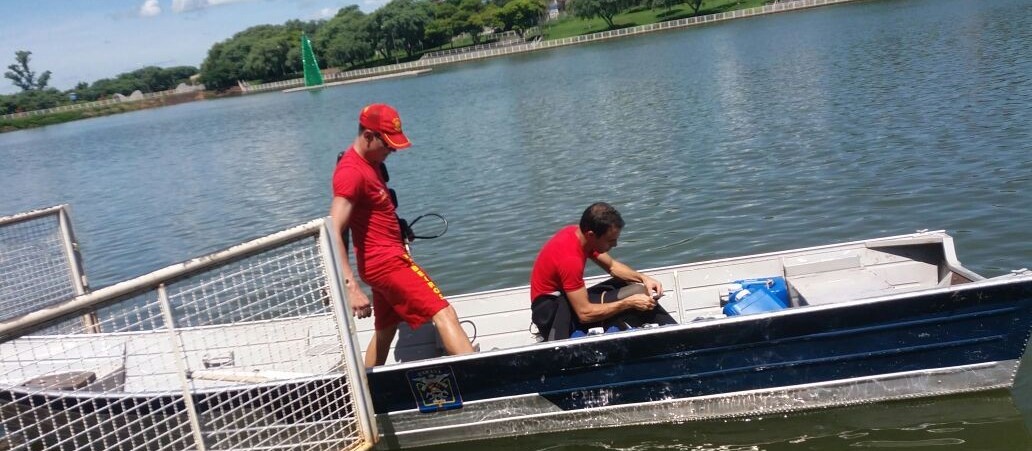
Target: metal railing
473 48
246 348
40 263
539 45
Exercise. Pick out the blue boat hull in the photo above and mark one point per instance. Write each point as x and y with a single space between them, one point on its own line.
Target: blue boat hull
835 345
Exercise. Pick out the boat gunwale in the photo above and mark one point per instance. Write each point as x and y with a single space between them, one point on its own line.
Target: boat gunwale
443 360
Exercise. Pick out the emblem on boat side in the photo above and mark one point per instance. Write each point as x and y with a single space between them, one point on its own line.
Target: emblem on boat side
435 389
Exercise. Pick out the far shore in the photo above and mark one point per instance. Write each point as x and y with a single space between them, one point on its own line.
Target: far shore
40 120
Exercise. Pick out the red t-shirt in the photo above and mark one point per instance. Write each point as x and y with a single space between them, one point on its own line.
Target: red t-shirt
374 226
560 264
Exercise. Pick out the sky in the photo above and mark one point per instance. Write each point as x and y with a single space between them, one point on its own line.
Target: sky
86 40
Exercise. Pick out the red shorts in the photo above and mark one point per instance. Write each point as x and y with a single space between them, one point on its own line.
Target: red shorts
402 291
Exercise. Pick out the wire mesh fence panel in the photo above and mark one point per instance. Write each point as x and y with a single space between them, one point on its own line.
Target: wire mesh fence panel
242 349
86 391
35 268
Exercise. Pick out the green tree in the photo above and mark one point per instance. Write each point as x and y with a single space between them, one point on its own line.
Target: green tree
33 99
443 23
180 74
404 22
521 15
488 17
469 19
438 32
604 9
694 4
219 70
267 57
23 77
344 39
263 52
668 4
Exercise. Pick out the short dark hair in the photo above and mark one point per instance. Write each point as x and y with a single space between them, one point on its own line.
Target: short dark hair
599 218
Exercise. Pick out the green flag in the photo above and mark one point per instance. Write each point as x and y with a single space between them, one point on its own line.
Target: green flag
312 75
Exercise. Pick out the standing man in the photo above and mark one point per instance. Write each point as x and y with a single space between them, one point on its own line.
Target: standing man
402 291
557 281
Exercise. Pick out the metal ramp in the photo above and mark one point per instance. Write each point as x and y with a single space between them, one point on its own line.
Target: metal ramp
250 348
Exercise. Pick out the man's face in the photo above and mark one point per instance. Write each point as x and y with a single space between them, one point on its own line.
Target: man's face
605 242
377 146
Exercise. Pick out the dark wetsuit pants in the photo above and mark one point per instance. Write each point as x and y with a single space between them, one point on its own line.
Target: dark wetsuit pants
555 319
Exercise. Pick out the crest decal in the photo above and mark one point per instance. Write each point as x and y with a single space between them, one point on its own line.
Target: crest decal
434 389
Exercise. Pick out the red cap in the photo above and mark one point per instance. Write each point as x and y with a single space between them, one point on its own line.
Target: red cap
381 118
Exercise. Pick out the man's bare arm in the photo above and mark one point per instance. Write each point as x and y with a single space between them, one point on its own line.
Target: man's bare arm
593 313
626 274
340 213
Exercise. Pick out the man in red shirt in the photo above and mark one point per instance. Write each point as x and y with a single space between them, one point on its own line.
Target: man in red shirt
557 281
402 291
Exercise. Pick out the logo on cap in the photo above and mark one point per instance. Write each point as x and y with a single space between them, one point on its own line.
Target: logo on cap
397 123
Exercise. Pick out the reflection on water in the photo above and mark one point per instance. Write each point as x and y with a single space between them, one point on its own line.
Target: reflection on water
979 421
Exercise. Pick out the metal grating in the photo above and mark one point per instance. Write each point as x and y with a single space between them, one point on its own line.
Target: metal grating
36 269
244 349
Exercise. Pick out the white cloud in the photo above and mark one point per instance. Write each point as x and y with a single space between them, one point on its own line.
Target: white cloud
150 8
372 5
326 13
181 6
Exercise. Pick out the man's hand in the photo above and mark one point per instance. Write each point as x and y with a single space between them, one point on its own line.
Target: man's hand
652 286
360 305
641 302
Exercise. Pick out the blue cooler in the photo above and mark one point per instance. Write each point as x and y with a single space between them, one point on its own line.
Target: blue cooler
757 296
775 285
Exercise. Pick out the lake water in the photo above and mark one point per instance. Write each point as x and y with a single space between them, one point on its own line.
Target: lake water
770 133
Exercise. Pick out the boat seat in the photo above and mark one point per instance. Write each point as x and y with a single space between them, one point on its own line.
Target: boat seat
65 363
69 380
861 283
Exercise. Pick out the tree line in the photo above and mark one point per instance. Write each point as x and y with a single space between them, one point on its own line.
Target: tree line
352 38
400 29
36 95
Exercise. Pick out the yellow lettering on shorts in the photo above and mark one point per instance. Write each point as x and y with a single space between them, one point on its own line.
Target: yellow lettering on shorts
419 272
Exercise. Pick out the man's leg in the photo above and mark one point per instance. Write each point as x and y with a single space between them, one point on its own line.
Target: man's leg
452 336
380 346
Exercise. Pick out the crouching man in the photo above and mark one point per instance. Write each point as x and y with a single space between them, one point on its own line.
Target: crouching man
560 302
